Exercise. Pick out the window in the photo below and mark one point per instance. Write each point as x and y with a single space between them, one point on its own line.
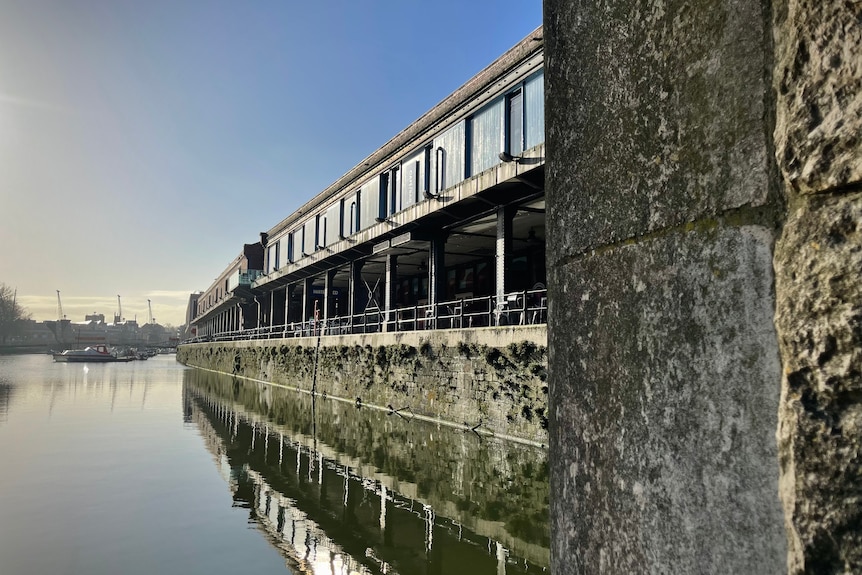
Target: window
333 224
383 202
289 257
485 139
515 122
309 236
369 203
448 157
534 103
412 179
390 193
395 190
349 215
439 169
427 180
272 258
414 189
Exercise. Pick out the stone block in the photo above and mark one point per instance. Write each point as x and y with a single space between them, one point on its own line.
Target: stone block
819 318
818 82
664 390
654 115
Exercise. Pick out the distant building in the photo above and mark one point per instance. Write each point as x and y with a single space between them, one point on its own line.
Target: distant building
31 332
188 330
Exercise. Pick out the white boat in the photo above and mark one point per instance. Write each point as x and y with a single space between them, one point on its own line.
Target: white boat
94 354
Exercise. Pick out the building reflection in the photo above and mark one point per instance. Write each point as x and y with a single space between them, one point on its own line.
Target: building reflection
5 399
331 493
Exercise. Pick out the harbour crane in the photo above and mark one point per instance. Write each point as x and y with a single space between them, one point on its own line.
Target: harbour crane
60 315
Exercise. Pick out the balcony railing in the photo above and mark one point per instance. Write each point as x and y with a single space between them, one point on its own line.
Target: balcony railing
515 308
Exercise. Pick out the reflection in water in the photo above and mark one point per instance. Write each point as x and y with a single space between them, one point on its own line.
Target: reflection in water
344 490
5 398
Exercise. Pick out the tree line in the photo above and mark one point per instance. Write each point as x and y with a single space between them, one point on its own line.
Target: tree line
11 313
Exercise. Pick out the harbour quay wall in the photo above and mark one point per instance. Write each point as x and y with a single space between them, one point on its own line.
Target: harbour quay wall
489 380
704 196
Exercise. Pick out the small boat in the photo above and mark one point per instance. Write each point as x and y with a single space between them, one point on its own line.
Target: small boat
94 354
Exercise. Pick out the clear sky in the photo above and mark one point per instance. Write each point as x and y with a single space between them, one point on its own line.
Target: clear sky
142 142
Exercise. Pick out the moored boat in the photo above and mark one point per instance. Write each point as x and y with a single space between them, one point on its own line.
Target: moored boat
93 354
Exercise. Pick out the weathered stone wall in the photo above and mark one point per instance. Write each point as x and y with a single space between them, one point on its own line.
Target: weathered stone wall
818 261
692 146
493 379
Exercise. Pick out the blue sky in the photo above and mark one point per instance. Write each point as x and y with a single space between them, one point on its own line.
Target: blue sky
143 142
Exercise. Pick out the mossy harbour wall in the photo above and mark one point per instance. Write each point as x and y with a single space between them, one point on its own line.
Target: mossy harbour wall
490 380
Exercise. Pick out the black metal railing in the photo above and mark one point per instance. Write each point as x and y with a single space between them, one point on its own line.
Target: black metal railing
514 308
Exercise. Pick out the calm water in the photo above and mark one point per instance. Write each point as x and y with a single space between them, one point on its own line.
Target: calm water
151 467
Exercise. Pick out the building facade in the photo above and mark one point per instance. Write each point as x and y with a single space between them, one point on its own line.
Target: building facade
442 227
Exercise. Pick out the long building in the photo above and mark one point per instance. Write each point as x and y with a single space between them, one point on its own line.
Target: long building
442 227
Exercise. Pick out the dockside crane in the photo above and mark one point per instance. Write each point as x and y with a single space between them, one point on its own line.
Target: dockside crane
60 314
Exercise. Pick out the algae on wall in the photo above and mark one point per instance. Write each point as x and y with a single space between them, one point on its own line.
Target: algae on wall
499 390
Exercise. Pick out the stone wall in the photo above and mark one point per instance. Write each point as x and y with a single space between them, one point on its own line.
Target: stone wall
818 262
703 209
490 379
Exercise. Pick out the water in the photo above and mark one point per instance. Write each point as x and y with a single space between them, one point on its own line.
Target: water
147 467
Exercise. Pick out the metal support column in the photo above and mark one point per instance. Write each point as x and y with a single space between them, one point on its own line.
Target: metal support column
356 289
328 279
437 273
307 299
288 292
505 215
270 320
390 321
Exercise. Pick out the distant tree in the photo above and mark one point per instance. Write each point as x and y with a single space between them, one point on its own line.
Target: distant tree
11 313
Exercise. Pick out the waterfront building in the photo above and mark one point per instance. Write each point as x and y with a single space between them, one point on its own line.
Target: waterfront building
442 227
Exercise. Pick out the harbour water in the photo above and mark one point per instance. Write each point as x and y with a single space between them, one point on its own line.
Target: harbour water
149 466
